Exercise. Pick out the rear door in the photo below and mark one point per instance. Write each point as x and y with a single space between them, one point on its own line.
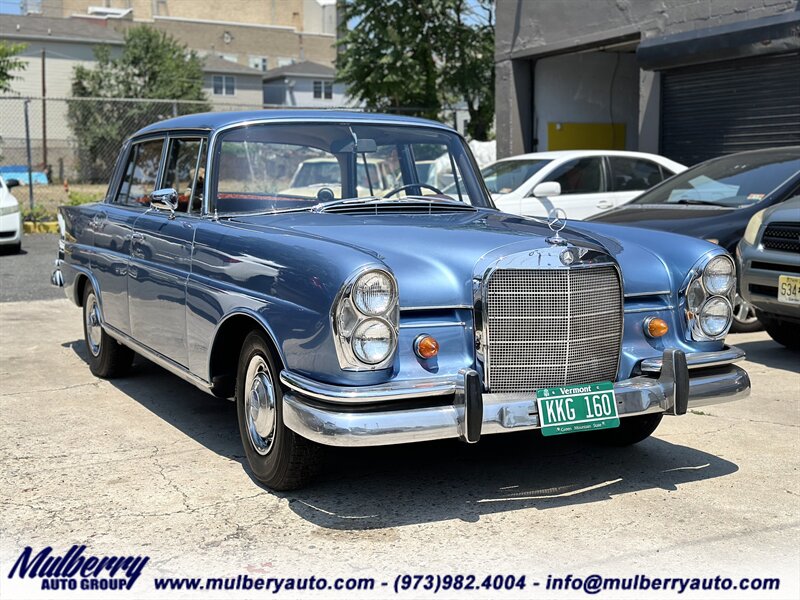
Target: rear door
161 253
112 226
629 176
583 185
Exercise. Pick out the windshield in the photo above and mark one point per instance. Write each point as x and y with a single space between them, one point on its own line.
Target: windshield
731 181
275 167
506 176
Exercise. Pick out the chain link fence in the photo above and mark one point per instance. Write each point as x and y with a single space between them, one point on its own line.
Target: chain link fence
74 143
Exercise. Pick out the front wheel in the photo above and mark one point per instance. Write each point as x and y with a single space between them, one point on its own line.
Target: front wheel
279 458
631 430
107 357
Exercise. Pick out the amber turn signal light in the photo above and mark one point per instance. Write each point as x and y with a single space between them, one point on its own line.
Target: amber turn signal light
426 346
655 327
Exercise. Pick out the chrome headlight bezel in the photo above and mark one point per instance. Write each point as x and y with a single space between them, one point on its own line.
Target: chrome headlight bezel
695 297
347 316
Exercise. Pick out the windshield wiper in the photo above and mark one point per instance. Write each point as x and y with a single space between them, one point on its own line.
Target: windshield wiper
697 201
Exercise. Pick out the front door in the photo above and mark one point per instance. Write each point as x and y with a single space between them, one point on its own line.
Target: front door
161 255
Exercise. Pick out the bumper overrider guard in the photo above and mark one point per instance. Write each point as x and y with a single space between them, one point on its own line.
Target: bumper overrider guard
363 416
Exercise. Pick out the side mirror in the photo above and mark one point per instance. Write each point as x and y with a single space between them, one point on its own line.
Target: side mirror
12 183
547 188
165 199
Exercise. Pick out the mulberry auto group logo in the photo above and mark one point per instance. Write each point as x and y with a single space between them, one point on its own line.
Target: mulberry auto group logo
77 570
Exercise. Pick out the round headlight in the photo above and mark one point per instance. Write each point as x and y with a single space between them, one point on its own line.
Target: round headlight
695 296
373 341
374 293
715 317
718 276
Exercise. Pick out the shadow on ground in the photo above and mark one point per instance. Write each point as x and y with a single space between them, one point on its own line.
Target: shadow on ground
374 488
771 354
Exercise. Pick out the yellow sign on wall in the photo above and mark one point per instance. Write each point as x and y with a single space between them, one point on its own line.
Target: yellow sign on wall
586 136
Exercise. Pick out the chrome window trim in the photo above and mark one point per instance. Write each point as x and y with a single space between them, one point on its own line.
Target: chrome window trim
212 145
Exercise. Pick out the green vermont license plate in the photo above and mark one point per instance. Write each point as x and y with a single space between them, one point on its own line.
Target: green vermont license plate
573 408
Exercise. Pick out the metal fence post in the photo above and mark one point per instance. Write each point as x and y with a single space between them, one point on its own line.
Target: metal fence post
28 148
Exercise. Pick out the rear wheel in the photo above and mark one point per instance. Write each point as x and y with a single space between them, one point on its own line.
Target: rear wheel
631 430
107 357
786 333
279 458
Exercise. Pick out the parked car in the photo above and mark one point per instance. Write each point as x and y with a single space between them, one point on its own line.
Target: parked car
366 321
714 201
769 263
581 182
10 218
312 175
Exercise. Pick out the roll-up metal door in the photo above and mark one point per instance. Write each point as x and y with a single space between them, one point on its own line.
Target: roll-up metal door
719 108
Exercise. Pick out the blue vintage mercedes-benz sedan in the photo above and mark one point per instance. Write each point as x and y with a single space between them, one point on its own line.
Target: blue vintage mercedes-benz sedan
336 316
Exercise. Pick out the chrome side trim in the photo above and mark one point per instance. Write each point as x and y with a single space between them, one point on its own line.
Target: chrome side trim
425 325
698 360
640 294
502 413
393 390
629 311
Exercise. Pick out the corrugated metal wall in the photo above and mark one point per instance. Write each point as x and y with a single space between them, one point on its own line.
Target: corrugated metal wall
720 108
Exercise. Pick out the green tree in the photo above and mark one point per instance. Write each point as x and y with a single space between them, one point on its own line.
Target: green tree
387 57
419 56
8 63
152 66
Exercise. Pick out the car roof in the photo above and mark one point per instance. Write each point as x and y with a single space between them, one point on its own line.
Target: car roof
557 154
218 120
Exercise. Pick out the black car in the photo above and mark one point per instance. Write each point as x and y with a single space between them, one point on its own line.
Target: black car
715 200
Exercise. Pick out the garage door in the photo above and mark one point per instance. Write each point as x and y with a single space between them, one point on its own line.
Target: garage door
725 107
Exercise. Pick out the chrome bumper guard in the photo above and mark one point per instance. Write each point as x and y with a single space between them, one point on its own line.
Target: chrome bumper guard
681 384
57 278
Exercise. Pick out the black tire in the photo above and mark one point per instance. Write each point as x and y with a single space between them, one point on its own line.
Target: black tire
786 333
631 430
285 461
745 319
107 357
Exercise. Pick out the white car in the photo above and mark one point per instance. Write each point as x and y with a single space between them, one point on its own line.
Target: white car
10 221
582 182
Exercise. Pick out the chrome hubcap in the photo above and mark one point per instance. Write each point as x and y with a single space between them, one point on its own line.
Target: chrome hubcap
743 312
93 330
260 405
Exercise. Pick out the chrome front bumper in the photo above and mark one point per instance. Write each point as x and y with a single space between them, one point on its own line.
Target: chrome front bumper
351 416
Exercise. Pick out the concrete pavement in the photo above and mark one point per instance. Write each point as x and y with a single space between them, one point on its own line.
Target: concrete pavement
148 464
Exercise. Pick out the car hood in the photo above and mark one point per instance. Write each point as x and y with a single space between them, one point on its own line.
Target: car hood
434 256
685 219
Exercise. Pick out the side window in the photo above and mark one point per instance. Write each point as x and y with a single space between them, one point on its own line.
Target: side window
580 176
141 173
185 172
633 174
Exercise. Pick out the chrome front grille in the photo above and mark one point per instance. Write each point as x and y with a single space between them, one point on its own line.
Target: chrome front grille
552 327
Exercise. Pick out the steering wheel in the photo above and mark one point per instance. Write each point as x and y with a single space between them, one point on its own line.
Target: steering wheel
411 185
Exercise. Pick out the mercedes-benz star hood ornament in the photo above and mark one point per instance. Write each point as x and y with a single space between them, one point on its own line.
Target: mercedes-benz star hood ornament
556 221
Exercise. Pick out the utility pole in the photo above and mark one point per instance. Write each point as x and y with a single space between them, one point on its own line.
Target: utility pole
44 118
28 146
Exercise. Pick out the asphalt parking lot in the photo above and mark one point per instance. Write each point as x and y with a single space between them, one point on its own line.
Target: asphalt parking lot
148 464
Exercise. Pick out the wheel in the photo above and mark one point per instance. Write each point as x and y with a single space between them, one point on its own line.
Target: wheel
745 319
785 333
107 357
12 249
278 457
631 430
